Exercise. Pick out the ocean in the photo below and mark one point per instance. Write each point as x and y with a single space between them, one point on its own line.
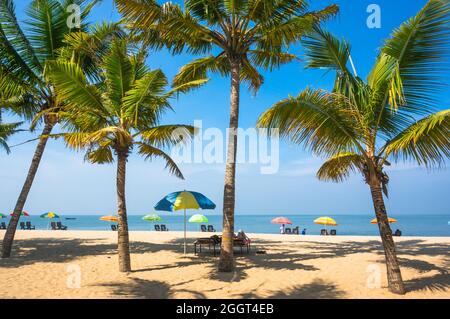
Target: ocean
410 225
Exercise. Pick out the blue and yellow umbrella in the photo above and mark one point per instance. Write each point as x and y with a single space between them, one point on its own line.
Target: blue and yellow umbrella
49 215
183 200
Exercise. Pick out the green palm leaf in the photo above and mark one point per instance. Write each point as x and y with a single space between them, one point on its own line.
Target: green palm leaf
427 141
339 167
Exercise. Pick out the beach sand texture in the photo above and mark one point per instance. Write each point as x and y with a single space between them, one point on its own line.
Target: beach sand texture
46 264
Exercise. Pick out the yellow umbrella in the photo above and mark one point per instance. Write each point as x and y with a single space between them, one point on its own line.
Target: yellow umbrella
390 219
110 218
327 221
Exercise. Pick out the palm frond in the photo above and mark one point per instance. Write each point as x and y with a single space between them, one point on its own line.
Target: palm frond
149 152
324 50
6 130
317 119
427 141
14 32
339 167
411 63
99 155
72 86
199 68
118 73
164 136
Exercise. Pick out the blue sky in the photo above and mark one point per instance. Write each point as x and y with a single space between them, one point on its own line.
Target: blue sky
68 185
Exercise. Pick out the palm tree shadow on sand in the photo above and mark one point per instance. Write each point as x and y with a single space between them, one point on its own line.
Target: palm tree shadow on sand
285 257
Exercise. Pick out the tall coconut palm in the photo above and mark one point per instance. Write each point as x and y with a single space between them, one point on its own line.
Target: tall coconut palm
239 37
23 53
360 125
115 115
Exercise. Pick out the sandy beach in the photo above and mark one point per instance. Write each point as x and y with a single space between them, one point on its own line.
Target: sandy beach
83 264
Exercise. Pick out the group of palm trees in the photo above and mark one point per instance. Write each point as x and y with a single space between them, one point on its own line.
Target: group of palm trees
93 82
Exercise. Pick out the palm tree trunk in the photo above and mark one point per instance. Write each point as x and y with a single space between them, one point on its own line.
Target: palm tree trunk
12 226
123 240
395 281
226 262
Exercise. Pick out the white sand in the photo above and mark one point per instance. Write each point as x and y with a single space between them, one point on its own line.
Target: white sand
45 265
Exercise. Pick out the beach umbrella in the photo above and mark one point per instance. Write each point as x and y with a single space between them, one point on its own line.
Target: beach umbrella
326 221
49 215
3 216
183 200
152 218
198 218
390 219
281 221
21 214
110 218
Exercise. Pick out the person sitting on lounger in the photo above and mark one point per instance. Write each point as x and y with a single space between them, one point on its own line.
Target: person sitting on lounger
304 231
398 232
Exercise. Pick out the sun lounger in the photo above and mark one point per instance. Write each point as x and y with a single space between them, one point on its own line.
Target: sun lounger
323 232
288 231
114 227
3 225
333 232
53 226
22 225
157 228
295 231
163 228
203 228
212 241
211 229
29 226
60 226
242 241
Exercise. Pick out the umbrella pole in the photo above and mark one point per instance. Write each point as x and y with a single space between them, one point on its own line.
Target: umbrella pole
185 231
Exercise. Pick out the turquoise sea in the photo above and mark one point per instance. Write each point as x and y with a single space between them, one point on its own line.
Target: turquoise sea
410 225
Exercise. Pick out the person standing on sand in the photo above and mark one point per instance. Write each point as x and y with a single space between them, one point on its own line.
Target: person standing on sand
282 230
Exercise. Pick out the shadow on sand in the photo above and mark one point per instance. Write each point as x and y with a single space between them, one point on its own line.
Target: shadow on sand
284 257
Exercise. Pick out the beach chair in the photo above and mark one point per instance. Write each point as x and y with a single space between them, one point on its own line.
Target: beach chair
295 231
333 232
212 241
29 226
242 241
203 228
163 228
211 229
157 228
3 225
53 226
22 225
60 226
323 232
288 231
114 227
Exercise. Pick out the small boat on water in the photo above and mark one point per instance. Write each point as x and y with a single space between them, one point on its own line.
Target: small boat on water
70 218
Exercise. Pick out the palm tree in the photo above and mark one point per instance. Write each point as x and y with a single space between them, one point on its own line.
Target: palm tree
359 125
115 115
240 37
23 53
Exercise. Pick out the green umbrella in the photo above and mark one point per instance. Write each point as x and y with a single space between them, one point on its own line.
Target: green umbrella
152 218
198 218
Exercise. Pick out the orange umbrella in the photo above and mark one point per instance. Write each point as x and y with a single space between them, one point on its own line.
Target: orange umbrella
110 218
